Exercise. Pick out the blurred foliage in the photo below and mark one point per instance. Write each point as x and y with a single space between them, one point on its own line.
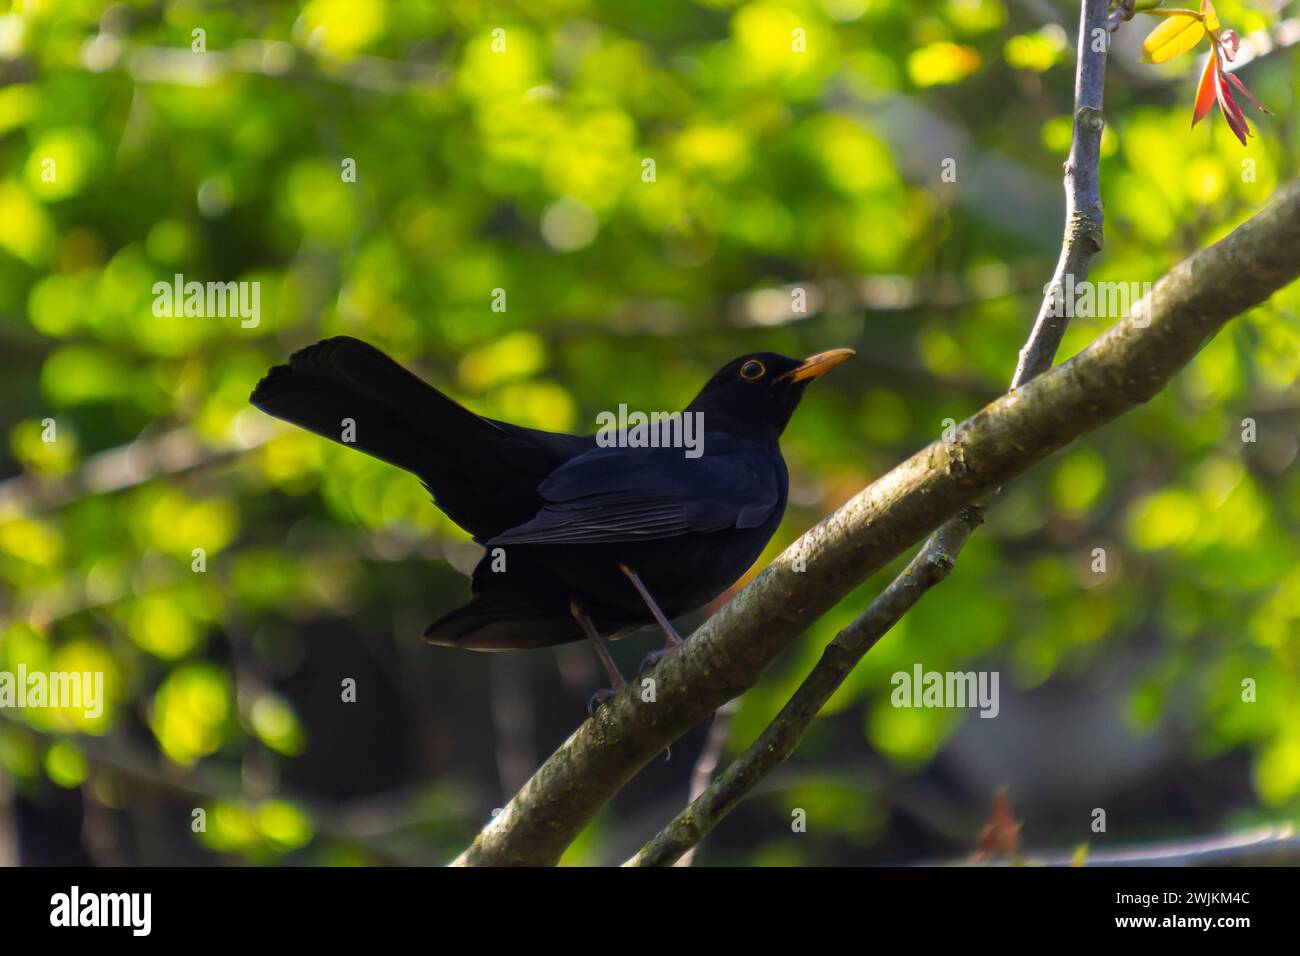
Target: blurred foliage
795 144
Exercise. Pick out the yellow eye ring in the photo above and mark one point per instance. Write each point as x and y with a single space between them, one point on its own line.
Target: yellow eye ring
752 370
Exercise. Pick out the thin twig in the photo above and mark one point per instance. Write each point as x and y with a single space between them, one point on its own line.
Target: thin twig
137 767
1273 845
8 827
139 461
706 765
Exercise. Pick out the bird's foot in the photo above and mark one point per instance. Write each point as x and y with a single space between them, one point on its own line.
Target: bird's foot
597 700
651 659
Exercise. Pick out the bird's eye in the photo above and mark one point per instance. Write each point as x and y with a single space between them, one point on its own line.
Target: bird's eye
752 370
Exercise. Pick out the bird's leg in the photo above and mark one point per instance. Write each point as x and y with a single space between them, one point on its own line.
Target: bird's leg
584 621
670 632
671 637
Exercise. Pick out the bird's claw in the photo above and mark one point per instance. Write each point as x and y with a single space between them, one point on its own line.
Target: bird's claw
597 700
651 659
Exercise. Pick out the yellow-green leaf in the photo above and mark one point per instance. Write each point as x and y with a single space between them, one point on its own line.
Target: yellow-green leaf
1209 16
1177 34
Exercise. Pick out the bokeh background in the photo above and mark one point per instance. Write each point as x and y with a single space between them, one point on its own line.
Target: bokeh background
522 170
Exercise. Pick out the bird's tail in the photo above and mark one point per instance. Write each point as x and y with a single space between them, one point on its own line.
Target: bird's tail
354 394
504 620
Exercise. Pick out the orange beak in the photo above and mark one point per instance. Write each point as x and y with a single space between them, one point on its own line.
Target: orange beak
815 366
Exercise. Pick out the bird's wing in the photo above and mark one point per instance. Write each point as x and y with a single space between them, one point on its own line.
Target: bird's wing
637 494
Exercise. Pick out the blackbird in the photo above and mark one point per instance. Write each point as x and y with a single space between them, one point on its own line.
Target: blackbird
586 535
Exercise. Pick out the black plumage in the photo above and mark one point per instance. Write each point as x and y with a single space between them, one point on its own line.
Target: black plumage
571 528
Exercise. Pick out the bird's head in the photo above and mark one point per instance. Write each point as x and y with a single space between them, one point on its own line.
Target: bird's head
759 392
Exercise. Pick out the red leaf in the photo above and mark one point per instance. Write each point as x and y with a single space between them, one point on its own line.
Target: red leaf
1231 40
1231 111
1001 835
1241 88
1205 89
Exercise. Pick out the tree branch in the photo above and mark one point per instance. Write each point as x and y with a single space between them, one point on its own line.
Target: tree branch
1124 368
1084 217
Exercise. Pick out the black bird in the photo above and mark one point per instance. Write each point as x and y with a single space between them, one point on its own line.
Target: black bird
583 539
